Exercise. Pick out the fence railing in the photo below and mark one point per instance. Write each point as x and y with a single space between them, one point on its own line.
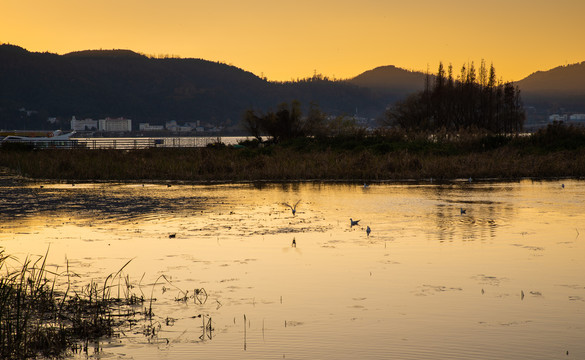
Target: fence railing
115 143
145 143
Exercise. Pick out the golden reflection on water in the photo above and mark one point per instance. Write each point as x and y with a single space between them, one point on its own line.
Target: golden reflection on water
503 280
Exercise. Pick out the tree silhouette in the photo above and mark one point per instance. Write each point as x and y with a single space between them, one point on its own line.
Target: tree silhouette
470 102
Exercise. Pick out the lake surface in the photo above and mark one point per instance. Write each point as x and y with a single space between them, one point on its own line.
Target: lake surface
504 280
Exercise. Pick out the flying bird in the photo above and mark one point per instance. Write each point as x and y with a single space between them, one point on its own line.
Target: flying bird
353 222
293 208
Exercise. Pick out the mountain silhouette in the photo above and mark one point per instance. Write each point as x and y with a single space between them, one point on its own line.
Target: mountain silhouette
114 83
100 83
391 80
561 89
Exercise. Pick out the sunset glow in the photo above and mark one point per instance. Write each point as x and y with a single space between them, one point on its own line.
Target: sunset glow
286 40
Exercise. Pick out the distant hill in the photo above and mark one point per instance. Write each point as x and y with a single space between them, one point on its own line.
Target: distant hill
391 80
569 79
122 83
100 83
555 90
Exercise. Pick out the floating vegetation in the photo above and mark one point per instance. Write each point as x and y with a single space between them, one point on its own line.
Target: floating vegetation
432 289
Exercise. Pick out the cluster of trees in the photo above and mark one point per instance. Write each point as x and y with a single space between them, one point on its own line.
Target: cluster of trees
475 100
288 122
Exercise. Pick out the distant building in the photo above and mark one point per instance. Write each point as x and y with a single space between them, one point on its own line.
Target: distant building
174 126
557 117
148 127
117 125
171 125
575 118
185 128
83 125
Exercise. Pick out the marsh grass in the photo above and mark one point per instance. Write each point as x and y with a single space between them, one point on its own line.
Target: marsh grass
556 151
39 320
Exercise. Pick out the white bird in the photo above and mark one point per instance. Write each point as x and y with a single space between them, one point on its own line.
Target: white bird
293 208
353 222
368 230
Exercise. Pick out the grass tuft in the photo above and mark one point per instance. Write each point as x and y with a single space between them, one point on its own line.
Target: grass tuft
37 320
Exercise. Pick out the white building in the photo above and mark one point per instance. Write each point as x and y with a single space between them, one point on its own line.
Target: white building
171 125
83 125
578 118
148 127
557 117
118 124
184 128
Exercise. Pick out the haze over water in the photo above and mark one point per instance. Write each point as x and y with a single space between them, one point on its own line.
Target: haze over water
504 280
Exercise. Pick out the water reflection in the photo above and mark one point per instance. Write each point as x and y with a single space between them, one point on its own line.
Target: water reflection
246 278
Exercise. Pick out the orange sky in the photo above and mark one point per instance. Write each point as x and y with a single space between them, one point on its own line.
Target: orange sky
285 40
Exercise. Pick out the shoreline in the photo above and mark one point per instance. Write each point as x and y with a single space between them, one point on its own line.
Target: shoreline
555 153
7 175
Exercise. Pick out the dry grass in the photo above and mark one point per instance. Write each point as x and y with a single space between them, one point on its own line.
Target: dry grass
552 153
37 319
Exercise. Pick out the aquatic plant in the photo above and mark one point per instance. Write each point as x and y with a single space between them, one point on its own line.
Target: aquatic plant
39 320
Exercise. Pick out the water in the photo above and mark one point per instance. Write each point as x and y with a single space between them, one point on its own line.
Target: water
505 280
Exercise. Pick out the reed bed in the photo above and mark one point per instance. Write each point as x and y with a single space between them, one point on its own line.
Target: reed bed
37 319
558 151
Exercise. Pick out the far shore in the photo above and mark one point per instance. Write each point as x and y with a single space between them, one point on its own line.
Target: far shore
231 165
392 156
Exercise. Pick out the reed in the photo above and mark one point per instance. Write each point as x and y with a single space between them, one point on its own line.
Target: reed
38 320
557 151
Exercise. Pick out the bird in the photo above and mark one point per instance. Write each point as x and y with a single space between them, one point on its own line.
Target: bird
563 186
293 208
368 230
172 236
463 211
470 179
353 222
294 243
366 186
